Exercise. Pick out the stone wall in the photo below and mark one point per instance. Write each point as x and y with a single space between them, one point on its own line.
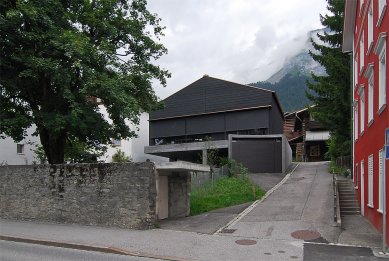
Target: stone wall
119 195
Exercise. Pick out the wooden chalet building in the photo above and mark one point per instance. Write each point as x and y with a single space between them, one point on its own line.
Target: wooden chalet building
366 27
306 137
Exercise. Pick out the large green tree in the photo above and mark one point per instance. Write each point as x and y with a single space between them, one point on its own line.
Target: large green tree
331 93
57 56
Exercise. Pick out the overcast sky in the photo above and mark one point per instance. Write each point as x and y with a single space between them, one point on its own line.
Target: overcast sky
238 40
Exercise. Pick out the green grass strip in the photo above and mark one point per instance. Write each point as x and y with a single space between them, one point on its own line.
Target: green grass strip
225 192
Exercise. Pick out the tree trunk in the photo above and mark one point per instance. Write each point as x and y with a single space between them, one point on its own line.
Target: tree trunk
53 145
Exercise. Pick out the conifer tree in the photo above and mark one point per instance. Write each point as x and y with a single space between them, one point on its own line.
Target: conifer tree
331 92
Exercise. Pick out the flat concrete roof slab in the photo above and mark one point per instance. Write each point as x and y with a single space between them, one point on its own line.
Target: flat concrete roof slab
181 166
192 146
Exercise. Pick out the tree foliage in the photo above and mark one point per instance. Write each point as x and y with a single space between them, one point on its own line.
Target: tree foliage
331 93
57 56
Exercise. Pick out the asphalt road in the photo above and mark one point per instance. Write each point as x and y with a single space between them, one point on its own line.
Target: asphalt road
13 251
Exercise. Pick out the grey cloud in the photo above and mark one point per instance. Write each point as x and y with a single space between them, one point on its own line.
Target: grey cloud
242 41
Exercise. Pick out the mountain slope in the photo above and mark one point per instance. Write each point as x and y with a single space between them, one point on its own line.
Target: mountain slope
290 90
290 81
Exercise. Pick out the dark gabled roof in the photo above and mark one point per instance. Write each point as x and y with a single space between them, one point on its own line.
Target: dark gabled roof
210 95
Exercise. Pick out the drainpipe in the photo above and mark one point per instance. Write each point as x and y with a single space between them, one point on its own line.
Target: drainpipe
352 113
384 214
384 199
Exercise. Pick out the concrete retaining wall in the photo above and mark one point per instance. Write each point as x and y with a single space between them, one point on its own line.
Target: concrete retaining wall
119 195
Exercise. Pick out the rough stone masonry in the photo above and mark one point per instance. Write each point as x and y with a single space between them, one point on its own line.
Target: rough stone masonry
114 194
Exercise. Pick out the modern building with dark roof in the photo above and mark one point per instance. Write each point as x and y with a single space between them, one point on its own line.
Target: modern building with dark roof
204 114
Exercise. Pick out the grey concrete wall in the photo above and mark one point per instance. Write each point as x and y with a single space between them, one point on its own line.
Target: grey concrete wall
119 195
179 191
287 154
276 119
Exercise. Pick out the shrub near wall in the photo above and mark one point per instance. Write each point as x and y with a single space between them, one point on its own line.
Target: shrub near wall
119 195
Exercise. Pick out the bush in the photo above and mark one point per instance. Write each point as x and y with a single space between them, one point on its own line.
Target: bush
235 169
120 157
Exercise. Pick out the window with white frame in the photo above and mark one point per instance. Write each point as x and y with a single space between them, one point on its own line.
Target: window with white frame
370 181
116 142
371 98
381 180
20 148
362 109
380 51
361 52
356 121
381 10
370 27
382 77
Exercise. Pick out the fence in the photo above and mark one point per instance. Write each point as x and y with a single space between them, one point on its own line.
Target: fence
200 178
344 162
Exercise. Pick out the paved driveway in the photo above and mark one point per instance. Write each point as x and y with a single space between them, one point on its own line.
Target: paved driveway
298 218
303 202
210 222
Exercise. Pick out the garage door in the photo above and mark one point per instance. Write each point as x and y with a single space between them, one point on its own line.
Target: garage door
258 155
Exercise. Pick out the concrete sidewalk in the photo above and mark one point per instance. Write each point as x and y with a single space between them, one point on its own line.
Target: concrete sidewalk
206 223
290 224
157 243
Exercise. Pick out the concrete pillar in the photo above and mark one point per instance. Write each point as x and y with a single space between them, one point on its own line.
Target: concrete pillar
205 157
179 191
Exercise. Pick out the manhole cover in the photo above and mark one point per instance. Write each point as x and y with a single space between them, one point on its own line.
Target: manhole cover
306 234
245 242
228 231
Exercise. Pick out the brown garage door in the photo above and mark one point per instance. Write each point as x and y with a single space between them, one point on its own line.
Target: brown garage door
258 155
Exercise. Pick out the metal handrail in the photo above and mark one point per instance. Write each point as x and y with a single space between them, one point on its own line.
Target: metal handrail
334 186
337 217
